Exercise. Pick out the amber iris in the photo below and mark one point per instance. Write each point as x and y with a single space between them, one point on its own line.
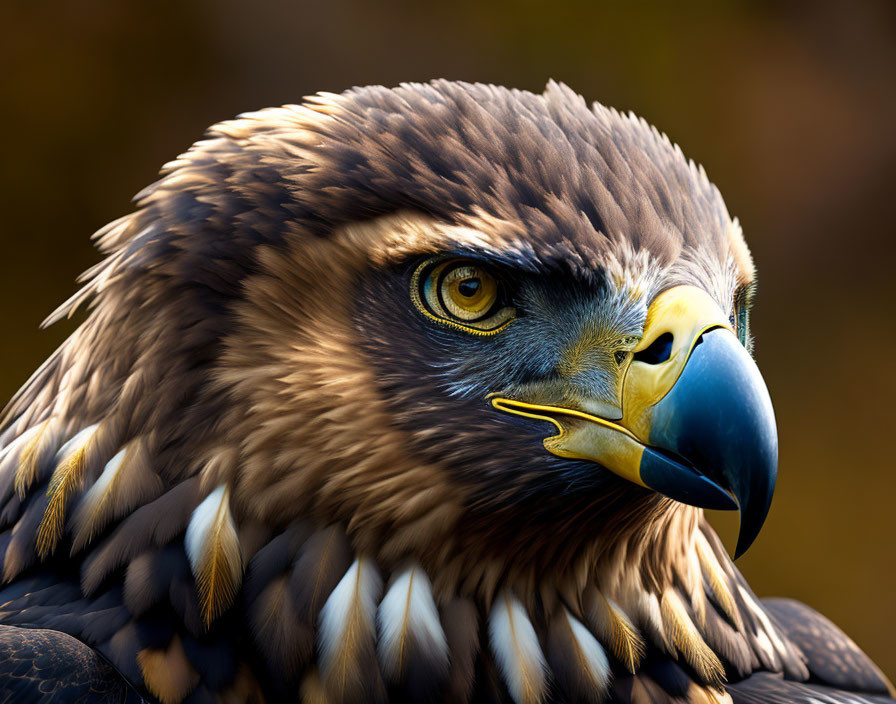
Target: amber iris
468 292
462 294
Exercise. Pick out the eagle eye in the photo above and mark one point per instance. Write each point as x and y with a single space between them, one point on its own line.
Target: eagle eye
461 294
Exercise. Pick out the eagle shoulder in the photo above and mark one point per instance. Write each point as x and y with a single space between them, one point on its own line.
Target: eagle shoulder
39 665
832 657
772 688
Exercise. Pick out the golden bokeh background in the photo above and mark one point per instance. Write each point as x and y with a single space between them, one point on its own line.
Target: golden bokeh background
790 106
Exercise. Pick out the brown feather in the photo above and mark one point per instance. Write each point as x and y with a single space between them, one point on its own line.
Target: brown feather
729 644
278 631
717 580
640 689
321 562
167 672
130 483
20 553
312 690
707 695
139 594
156 523
244 690
460 622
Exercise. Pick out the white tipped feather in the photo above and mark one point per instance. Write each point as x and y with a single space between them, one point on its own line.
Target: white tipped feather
347 629
78 441
717 580
66 480
651 620
17 443
517 650
773 638
110 471
11 453
590 655
213 548
125 482
409 625
615 629
688 641
34 450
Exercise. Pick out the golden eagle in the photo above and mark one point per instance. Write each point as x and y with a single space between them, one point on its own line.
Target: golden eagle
409 394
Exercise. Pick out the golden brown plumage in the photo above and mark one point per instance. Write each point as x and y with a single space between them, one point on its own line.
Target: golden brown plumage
295 481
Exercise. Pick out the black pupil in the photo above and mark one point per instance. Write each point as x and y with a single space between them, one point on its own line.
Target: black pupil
469 287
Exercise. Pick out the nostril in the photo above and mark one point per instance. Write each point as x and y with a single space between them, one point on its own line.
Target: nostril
659 351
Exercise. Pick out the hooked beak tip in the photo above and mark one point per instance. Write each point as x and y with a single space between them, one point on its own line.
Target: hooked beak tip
753 512
719 416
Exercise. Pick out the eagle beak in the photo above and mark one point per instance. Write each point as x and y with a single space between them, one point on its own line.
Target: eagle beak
697 422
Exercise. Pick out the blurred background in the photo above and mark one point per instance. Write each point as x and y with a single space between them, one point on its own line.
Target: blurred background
790 106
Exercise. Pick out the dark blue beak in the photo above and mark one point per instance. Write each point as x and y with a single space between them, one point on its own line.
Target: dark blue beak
718 420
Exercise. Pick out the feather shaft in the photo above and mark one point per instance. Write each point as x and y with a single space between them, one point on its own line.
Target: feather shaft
347 634
517 650
578 661
614 628
688 641
410 633
42 442
213 549
67 478
126 481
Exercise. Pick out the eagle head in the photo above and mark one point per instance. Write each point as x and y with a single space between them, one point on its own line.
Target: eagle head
517 328
448 350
